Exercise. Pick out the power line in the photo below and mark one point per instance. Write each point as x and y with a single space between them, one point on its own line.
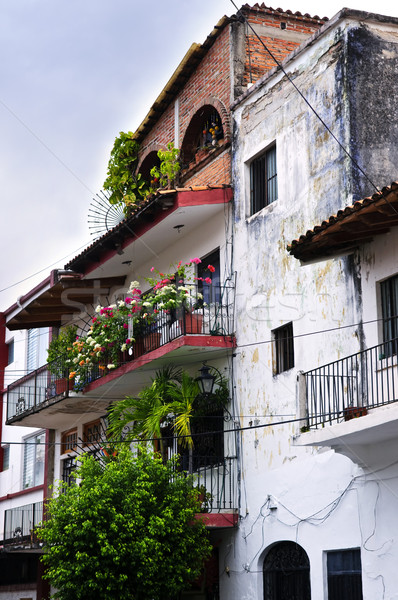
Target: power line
317 115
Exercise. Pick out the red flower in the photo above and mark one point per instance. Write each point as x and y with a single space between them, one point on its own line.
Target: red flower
211 268
207 280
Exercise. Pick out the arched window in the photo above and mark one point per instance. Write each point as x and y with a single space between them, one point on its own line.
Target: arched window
204 132
286 573
151 160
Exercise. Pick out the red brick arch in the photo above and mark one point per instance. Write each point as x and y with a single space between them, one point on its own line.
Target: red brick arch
194 121
149 159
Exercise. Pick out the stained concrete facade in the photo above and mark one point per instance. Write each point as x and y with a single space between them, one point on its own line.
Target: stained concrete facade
311 488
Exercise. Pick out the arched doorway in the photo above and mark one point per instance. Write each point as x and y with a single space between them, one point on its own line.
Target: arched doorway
286 573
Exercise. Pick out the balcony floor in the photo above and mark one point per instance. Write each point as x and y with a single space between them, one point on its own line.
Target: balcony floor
366 440
61 412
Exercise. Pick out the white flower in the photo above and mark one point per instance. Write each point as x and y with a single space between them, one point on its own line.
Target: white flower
134 284
111 366
146 304
98 309
112 306
123 348
121 303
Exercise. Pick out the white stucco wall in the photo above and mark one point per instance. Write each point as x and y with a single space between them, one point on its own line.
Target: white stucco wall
323 501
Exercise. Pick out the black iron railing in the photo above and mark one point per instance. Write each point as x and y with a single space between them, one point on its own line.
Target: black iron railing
215 317
216 479
347 388
20 522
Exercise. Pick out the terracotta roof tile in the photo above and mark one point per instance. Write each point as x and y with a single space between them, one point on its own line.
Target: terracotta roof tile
301 246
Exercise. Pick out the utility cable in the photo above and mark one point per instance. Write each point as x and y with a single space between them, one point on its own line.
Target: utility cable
317 115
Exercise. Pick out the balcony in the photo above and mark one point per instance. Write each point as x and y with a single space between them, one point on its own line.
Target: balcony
352 403
20 524
47 398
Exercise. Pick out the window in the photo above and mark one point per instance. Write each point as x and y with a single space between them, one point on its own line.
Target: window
92 432
284 348
263 180
286 573
10 346
33 466
6 457
211 292
389 307
68 468
33 350
344 575
68 441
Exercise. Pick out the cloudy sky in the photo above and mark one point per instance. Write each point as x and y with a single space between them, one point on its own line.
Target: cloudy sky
73 74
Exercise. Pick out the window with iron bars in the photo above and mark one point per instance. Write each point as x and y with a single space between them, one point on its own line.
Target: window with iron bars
284 348
389 308
263 180
344 573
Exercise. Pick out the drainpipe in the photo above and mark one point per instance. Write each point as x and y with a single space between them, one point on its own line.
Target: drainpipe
301 401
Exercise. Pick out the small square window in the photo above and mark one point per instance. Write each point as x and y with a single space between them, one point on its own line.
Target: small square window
263 180
344 573
284 348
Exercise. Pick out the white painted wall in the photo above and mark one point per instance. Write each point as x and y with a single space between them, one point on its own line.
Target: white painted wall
323 500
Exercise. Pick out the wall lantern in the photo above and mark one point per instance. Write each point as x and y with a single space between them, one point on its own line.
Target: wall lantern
205 380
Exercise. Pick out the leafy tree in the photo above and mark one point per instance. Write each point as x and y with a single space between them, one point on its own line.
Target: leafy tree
126 531
127 187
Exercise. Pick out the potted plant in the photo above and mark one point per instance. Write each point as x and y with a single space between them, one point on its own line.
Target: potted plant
57 358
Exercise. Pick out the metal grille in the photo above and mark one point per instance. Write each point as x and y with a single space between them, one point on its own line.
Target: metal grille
286 573
344 575
263 180
284 348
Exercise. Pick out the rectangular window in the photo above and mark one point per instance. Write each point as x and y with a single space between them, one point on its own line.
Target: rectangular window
92 432
263 180
33 466
10 346
389 307
211 292
344 575
68 468
6 457
32 362
68 441
284 348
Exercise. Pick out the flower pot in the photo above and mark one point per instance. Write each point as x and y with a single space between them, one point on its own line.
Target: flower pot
352 412
151 341
193 323
62 385
138 348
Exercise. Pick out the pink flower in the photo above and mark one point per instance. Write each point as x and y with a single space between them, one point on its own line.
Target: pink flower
207 280
125 325
128 341
152 269
197 261
211 268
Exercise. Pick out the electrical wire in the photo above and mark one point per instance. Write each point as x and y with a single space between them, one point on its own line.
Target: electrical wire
307 102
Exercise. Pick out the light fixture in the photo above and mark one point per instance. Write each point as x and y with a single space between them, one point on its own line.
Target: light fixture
205 380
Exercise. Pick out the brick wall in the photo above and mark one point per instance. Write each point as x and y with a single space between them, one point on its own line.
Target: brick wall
211 84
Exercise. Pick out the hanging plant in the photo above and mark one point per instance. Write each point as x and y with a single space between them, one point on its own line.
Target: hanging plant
166 173
127 187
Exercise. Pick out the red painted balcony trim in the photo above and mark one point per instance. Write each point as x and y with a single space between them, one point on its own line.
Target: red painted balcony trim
218 520
211 341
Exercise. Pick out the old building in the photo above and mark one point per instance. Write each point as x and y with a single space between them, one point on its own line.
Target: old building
315 254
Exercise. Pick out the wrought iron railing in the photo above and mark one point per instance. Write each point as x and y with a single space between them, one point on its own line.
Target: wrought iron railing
217 479
51 381
347 388
20 522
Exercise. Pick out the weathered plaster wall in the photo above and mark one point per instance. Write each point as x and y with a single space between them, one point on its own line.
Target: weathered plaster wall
371 67
323 500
